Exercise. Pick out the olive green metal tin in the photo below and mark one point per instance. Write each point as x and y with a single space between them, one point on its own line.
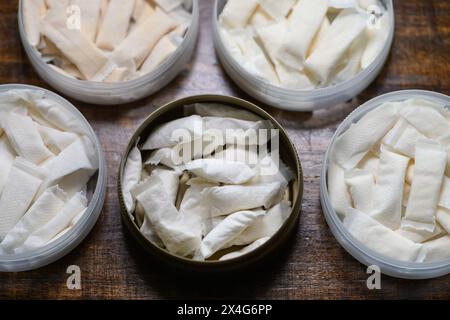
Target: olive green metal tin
288 154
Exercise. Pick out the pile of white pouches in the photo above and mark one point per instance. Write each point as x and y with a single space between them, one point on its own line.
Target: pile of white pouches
47 157
106 40
388 179
304 44
195 204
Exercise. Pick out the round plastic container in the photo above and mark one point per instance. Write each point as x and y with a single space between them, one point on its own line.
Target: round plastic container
288 154
299 100
121 92
95 192
391 267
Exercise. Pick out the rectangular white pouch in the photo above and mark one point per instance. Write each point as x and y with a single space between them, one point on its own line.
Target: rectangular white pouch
90 16
370 162
443 217
7 156
420 236
277 9
266 225
140 42
437 250
162 50
23 182
337 189
351 147
48 205
305 21
245 250
33 10
24 137
142 10
181 234
225 111
169 178
380 239
115 24
171 133
429 170
131 177
361 185
54 226
344 29
221 171
388 191
444 199
236 13
259 18
377 35
227 231
56 140
271 36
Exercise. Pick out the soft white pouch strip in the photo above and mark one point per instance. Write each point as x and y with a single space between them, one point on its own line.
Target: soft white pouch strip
337 189
7 156
388 192
47 206
344 29
58 223
277 9
443 217
236 13
377 35
115 24
56 140
429 169
90 16
245 250
227 231
444 199
266 225
306 19
225 111
18 193
351 147
169 5
420 236
361 185
24 137
163 49
221 171
259 18
437 250
33 10
379 238
131 177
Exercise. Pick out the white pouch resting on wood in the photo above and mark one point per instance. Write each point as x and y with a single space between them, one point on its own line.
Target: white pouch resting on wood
429 169
377 35
444 198
227 231
90 16
115 24
344 29
162 50
23 182
245 250
337 189
181 234
351 147
131 177
56 140
7 156
231 198
171 133
236 13
361 186
212 109
403 138
266 225
24 137
47 206
443 217
437 250
140 42
33 10
277 9
58 223
379 238
306 19
388 192
221 171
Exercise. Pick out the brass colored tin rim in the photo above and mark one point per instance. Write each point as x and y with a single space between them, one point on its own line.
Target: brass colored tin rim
284 231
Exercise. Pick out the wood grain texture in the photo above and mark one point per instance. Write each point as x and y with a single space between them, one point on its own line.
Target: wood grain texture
313 266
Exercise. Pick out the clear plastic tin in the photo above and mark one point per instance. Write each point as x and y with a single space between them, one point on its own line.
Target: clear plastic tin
300 100
121 92
288 154
96 191
388 266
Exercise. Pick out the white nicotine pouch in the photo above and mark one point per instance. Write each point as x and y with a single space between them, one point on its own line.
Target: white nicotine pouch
337 189
131 177
361 185
430 164
236 13
255 245
7 156
23 182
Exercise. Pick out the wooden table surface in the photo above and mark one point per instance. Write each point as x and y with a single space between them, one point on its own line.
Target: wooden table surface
314 266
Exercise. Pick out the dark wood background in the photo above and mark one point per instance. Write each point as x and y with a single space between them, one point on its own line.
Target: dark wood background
313 266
